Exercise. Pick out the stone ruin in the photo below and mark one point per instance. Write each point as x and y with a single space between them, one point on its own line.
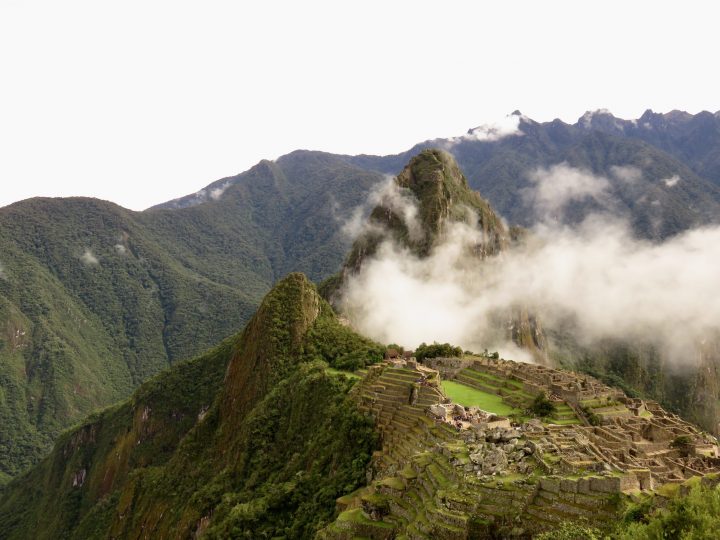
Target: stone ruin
442 465
635 438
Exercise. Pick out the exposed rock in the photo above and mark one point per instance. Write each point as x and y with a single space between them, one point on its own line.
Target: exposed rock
495 461
79 478
440 411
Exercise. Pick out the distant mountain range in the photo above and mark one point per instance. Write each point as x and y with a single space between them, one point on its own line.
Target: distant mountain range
675 158
95 298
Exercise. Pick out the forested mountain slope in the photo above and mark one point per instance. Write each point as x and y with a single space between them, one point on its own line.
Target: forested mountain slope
94 299
255 437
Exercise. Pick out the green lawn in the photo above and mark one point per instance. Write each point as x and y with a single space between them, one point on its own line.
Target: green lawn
470 397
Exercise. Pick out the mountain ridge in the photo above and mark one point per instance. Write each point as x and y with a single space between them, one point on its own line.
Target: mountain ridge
95 298
188 277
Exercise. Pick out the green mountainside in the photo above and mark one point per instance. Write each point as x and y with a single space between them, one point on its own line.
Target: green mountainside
91 306
95 299
256 437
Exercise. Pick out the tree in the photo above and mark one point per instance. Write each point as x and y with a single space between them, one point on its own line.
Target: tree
542 406
437 350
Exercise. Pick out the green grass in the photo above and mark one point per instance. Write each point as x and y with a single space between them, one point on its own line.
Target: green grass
348 374
471 397
565 422
393 482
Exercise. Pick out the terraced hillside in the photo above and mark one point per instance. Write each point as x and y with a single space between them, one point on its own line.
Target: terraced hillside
513 394
295 428
448 470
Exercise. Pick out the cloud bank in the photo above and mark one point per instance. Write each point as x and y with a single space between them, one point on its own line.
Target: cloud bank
595 276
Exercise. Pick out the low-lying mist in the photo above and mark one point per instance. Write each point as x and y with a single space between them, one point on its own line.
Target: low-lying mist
597 275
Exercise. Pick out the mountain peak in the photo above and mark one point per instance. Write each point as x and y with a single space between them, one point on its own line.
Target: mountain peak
273 335
603 120
440 194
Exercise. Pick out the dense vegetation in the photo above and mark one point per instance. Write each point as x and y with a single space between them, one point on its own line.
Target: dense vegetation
541 406
688 513
254 439
437 350
95 299
691 516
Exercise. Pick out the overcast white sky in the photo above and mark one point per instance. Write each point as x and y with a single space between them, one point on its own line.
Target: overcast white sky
139 102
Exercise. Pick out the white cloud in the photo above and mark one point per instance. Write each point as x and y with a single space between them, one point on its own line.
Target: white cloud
88 258
596 277
510 125
120 249
627 173
217 192
610 284
672 181
553 188
494 131
388 195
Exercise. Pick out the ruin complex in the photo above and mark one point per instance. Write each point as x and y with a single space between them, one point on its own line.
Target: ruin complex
447 470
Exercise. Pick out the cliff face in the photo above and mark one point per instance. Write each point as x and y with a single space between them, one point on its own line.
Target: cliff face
704 407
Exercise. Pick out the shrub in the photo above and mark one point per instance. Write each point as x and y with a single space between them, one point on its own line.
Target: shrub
541 406
571 530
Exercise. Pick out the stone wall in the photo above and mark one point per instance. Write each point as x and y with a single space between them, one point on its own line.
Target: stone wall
447 367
